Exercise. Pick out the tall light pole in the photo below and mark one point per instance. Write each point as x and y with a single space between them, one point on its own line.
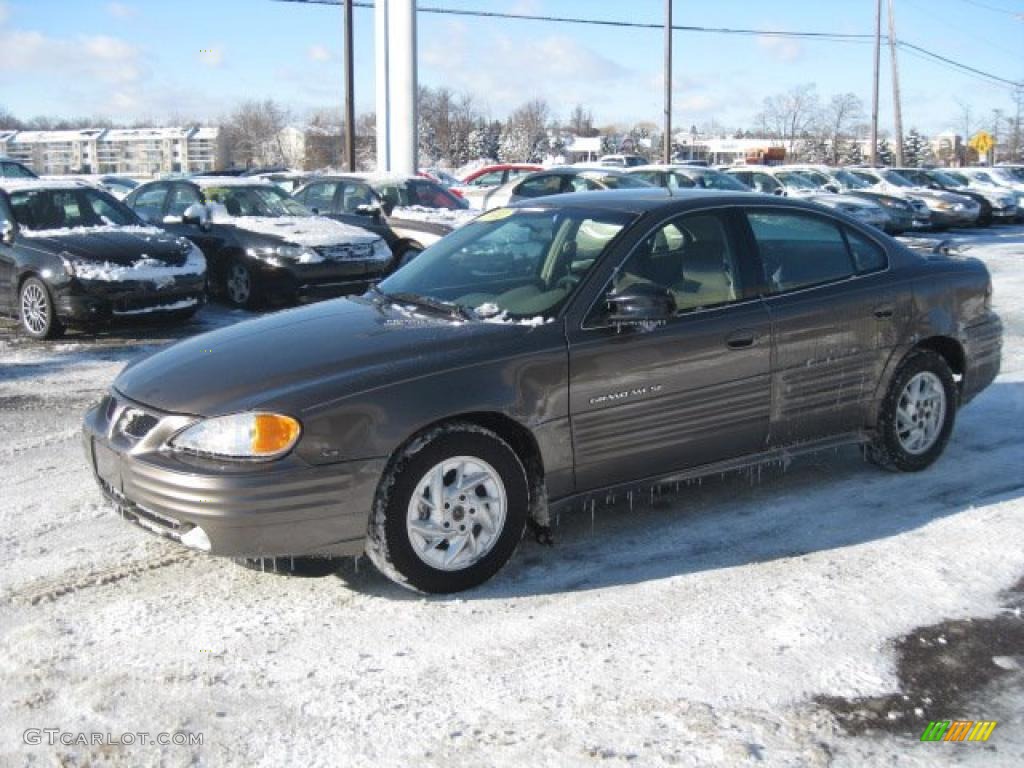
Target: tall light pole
896 106
667 152
350 102
874 91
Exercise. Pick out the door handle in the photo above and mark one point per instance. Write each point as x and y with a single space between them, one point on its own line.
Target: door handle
883 313
741 339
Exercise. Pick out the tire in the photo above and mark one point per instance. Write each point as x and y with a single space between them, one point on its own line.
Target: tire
894 446
241 284
485 521
36 311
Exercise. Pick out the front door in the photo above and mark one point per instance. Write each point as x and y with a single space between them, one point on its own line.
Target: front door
835 318
7 263
692 391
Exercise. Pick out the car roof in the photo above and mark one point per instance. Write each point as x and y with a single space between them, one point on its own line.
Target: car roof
643 200
16 185
229 181
670 167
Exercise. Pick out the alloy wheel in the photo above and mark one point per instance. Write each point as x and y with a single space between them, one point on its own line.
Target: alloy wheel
920 413
35 308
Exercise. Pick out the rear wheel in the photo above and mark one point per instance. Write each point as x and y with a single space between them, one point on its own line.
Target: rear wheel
917 414
450 515
36 310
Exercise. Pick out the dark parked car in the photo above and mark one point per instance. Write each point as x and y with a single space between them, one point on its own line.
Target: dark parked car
541 355
993 204
72 254
262 246
425 214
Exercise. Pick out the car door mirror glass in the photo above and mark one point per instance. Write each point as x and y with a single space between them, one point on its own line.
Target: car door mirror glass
8 231
368 209
197 215
640 304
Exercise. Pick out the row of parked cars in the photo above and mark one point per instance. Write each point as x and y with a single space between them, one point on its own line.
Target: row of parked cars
75 251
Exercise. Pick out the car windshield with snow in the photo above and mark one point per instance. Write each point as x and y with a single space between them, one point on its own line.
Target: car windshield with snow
72 254
427 214
262 245
545 354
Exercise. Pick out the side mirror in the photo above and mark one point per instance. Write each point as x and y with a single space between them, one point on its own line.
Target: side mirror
316 211
197 215
8 231
368 209
833 188
387 206
779 191
641 303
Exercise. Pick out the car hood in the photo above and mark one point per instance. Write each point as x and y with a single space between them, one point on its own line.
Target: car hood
301 358
312 231
123 246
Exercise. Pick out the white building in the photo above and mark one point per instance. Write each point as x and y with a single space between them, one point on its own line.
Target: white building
123 151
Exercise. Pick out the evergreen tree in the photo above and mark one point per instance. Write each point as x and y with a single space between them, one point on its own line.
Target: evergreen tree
850 153
915 149
884 151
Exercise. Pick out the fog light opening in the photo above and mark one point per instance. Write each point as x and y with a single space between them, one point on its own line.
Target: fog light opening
196 539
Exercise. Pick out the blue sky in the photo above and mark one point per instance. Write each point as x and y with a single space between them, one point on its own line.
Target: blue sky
165 59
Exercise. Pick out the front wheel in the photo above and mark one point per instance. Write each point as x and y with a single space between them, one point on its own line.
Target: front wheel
917 414
450 515
241 284
38 314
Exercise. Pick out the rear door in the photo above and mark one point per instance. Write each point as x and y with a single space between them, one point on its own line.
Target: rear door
8 267
834 316
692 391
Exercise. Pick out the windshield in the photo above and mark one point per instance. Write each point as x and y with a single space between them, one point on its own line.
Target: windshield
957 177
919 178
510 262
257 200
794 180
45 209
1004 175
895 179
710 179
848 179
613 181
946 179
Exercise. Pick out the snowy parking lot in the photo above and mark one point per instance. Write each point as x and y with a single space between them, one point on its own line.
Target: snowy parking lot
815 614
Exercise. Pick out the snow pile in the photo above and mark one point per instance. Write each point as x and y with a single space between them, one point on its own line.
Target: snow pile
448 217
311 231
146 268
129 229
182 304
492 313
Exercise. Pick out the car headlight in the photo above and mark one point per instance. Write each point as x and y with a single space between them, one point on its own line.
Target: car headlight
381 250
258 435
68 262
278 255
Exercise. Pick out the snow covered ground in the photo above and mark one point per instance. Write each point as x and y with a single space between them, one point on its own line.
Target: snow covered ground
729 623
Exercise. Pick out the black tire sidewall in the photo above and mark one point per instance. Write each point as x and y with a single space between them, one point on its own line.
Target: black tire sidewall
400 549
53 326
253 301
893 453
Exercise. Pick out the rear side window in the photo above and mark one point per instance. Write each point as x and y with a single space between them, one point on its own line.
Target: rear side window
868 256
799 250
540 186
319 196
489 179
182 197
149 203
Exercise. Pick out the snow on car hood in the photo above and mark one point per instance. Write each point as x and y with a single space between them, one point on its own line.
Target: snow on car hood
301 230
145 268
130 229
448 217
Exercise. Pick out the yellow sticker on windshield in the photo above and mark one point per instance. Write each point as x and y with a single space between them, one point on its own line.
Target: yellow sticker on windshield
496 215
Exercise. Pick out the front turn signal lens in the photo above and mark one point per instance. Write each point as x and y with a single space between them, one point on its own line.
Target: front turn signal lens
273 433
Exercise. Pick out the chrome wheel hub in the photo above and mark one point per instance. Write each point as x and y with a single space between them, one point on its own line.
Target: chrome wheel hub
239 284
35 308
456 513
920 413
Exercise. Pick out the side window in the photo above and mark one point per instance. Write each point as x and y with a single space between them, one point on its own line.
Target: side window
540 186
320 196
515 173
182 196
692 256
149 203
868 256
762 182
651 177
799 250
679 181
353 195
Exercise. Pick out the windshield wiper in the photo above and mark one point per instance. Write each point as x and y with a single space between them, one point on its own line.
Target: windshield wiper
427 302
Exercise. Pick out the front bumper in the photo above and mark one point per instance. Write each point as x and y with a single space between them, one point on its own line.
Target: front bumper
277 508
321 280
941 218
88 301
983 347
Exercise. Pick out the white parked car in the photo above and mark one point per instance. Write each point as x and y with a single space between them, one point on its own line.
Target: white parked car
947 209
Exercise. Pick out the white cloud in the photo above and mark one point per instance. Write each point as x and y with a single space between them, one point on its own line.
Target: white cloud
318 53
121 10
780 48
4 12
102 57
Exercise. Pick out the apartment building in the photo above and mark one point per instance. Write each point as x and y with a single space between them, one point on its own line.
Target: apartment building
122 151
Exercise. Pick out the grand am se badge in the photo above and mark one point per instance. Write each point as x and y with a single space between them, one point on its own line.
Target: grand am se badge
625 394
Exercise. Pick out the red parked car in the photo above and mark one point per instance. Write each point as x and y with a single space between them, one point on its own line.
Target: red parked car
496 175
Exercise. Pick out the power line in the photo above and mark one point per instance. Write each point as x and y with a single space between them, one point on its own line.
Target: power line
1016 14
842 37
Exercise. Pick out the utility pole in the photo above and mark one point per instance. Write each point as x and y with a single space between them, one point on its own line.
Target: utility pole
874 93
350 103
667 152
897 110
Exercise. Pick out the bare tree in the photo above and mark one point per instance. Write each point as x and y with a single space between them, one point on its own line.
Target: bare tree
253 133
839 120
790 115
581 122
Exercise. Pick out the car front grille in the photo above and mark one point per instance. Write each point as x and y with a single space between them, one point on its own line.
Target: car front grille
346 252
135 423
145 518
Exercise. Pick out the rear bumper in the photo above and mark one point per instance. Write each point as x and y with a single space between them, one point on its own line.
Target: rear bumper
983 348
279 508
